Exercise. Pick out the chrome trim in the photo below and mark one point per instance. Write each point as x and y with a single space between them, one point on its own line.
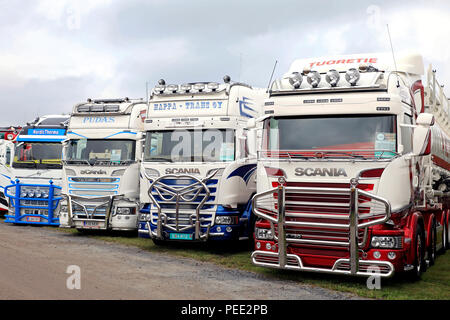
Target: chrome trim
295 263
352 216
180 196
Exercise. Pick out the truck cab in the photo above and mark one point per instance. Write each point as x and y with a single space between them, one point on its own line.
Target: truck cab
101 165
7 140
34 189
344 167
197 174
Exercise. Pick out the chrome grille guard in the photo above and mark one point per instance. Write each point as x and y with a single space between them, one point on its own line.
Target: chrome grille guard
353 225
179 196
108 201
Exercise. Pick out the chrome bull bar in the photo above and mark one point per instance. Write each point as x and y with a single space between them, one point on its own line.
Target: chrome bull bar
108 201
292 261
179 196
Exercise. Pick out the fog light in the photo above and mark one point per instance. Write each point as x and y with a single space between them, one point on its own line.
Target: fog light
377 255
332 77
268 246
295 79
258 245
352 76
229 229
219 229
392 255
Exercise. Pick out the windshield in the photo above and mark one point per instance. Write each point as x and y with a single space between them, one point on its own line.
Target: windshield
337 135
39 155
213 145
101 151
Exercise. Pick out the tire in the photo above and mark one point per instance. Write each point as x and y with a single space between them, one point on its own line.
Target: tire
447 242
158 242
444 234
432 247
419 252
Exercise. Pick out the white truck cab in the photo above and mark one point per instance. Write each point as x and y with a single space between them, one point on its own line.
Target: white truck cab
198 175
33 166
101 165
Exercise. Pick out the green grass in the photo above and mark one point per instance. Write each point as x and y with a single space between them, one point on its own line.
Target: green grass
434 285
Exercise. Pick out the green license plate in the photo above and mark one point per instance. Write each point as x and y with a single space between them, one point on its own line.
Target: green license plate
180 236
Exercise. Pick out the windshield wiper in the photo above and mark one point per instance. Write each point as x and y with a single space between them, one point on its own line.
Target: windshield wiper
159 159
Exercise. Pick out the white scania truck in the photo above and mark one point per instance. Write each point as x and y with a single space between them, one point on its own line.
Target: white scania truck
101 165
353 169
198 175
31 169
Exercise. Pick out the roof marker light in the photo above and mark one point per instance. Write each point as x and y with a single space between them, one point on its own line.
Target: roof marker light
295 79
352 76
313 78
332 77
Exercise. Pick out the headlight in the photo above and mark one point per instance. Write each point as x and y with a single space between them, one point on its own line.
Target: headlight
44 195
227 220
213 86
186 87
352 76
23 195
313 78
263 234
386 242
125 210
295 79
199 86
172 88
30 194
152 173
332 77
159 88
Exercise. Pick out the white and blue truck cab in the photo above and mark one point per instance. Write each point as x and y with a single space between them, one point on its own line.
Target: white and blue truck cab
33 167
197 173
101 165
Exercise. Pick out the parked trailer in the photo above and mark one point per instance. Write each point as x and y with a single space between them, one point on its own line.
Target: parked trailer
353 170
198 177
101 165
34 166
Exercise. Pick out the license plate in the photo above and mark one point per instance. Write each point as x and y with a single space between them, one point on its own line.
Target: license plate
180 236
33 219
91 224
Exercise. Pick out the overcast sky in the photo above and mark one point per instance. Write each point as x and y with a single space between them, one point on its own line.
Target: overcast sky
54 54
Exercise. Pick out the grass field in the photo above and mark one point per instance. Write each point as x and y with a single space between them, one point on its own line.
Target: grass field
434 285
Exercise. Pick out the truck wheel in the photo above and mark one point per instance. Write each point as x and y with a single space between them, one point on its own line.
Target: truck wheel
444 234
432 247
158 242
419 260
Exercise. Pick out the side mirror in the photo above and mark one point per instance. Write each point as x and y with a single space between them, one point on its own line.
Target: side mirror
251 142
251 123
422 134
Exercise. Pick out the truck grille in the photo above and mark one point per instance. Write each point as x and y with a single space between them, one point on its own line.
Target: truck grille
93 187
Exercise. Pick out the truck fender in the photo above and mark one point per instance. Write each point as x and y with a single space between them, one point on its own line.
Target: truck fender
428 226
415 219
